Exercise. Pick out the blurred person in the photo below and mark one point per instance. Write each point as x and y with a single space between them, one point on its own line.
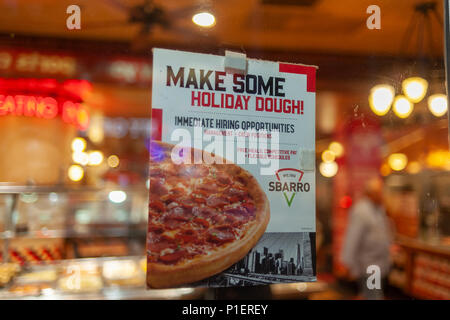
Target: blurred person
367 240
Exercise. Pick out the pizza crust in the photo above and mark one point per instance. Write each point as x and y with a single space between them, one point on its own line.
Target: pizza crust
203 266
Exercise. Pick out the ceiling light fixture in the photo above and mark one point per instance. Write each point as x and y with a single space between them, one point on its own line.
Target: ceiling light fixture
380 99
204 19
437 103
422 77
402 107
415 88
397 161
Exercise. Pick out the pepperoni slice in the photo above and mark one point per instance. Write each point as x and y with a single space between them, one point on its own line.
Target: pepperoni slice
157 205
223 179
220 236
235 194
216 201
172 205
177 190
233 199
187 202
156 172
250 207
201 222
230 219
207 187
173 223
199 200
177 213
155 228
168 198
157 187
218 218
238 211
174 180
236 191
189 236
201 192
204 212
241 218
161 245
173 257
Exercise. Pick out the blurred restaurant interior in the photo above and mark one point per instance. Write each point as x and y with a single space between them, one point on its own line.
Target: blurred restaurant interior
75 114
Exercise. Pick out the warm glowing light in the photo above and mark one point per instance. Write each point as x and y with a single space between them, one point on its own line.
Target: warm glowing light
95 158
95 131
437 103
204 19
380 99
75 172
328 169
302 287
345 202
113 161
439 159
413 167
385 170
337 148
328 156
397 161
80 158
117 196
415 88
402 107
78 144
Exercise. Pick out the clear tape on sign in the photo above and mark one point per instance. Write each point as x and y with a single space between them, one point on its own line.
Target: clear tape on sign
235 62
307 159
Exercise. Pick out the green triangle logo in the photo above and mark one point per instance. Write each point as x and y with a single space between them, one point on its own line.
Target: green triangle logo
289 201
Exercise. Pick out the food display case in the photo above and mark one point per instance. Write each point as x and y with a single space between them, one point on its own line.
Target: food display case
89 278
75 243
421 269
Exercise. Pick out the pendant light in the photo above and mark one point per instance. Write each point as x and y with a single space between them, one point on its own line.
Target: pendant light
415 87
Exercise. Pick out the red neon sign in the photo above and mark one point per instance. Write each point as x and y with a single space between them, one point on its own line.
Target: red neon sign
45 99
44 108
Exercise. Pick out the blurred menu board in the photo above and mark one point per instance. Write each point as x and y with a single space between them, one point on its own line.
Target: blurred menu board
232 171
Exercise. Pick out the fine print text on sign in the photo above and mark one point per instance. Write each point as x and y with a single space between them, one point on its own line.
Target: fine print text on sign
232 180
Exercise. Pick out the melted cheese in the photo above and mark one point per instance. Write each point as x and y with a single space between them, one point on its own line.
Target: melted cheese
170 233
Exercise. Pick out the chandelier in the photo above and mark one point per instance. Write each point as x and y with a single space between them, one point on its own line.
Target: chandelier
421 80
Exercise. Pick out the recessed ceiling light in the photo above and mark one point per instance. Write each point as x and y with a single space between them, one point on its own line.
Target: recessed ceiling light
204 19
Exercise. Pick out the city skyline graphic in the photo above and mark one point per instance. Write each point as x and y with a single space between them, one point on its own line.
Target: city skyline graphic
277 258
288 242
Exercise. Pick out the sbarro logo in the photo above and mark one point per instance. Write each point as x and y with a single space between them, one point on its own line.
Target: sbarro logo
289 184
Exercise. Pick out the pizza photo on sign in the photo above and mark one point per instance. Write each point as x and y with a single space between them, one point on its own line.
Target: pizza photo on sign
203 218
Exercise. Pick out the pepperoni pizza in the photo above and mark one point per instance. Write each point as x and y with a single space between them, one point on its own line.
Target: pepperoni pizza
203 218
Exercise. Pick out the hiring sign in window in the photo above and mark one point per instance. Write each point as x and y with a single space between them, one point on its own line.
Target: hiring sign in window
232 180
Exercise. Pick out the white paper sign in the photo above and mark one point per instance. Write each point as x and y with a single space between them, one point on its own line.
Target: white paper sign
261 119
